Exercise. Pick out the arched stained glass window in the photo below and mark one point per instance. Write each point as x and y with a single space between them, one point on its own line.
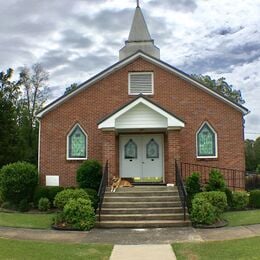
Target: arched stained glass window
77 144
152 149
130 150
206 141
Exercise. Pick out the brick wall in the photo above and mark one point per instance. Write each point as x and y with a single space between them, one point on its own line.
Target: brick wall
174 94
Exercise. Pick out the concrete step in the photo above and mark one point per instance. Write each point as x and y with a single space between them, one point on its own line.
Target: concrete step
138 193
143 224
142 199
141 210
144 188
155 204
141 217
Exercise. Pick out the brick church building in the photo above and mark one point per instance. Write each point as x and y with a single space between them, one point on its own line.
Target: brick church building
140 114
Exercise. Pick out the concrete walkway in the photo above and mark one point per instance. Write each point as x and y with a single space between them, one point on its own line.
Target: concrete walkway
133 236
142 252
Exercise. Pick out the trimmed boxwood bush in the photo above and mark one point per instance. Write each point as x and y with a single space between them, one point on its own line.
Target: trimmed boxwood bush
217 199
89 174
18 181
229 197
78 214
44 204
193 184
240 200
93 197
23 205
254 199
46 192
216 181
203 212
64 196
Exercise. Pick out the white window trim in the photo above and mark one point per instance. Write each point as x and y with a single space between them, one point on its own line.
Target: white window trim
68 135
140 73
216 142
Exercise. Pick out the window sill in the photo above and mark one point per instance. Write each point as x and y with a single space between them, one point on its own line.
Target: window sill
76 159
207 159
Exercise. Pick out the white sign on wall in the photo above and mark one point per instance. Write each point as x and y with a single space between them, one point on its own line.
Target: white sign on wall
52 180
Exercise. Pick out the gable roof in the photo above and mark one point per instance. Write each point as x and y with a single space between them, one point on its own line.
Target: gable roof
125 62
110 120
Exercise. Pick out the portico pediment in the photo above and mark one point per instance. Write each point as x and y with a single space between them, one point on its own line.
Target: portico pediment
141 113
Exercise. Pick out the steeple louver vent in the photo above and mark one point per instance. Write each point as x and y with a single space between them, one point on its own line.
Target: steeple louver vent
140 83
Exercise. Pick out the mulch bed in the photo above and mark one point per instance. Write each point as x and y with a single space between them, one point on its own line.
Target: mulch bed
63 227
218 224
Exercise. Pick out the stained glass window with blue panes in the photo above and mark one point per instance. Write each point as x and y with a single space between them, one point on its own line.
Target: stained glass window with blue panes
77 143
206 141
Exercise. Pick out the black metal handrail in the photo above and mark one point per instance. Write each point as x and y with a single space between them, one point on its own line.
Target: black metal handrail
102 189
235 179
181 188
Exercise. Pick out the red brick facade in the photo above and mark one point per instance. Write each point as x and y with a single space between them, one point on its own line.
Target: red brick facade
178 96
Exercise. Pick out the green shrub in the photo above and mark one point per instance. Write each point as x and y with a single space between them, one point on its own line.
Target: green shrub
254 199
216 181
193 184
229 197
79 214
1 198
8 205
64 196
24 205
46 192
218 199
18 181
93 197
240 200
89 174
44 204
258 168
203 212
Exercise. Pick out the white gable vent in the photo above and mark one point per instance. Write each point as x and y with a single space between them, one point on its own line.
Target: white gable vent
140 83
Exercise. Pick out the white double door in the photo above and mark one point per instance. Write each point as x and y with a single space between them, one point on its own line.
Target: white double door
141 156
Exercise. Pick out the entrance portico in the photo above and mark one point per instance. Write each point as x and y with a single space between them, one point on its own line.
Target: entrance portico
141 140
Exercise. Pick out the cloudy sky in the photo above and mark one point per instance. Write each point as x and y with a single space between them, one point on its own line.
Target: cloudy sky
76 39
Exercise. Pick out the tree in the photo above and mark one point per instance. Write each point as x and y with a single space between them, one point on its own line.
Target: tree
250 155
257 151
220 85
9 92
35 93
72 87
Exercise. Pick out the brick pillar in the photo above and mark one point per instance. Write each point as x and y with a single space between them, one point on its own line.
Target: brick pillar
173 144
109 153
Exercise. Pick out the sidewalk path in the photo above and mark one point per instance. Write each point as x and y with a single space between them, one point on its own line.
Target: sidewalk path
133 236
142 252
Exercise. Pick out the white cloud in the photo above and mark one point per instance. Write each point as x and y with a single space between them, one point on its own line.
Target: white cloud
77 39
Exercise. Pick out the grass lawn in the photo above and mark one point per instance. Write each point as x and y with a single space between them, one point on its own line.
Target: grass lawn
26 220
239 218
240 249
20 249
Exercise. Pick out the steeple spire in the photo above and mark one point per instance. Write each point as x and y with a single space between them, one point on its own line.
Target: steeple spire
139 38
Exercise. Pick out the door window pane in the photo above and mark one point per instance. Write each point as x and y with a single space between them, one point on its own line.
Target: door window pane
130 150
152 149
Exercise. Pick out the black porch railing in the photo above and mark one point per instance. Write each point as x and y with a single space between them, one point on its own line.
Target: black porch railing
102 189
235 179
181 188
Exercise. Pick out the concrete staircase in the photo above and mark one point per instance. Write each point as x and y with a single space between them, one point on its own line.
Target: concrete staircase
142 207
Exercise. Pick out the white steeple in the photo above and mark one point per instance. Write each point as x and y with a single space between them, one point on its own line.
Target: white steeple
139 38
